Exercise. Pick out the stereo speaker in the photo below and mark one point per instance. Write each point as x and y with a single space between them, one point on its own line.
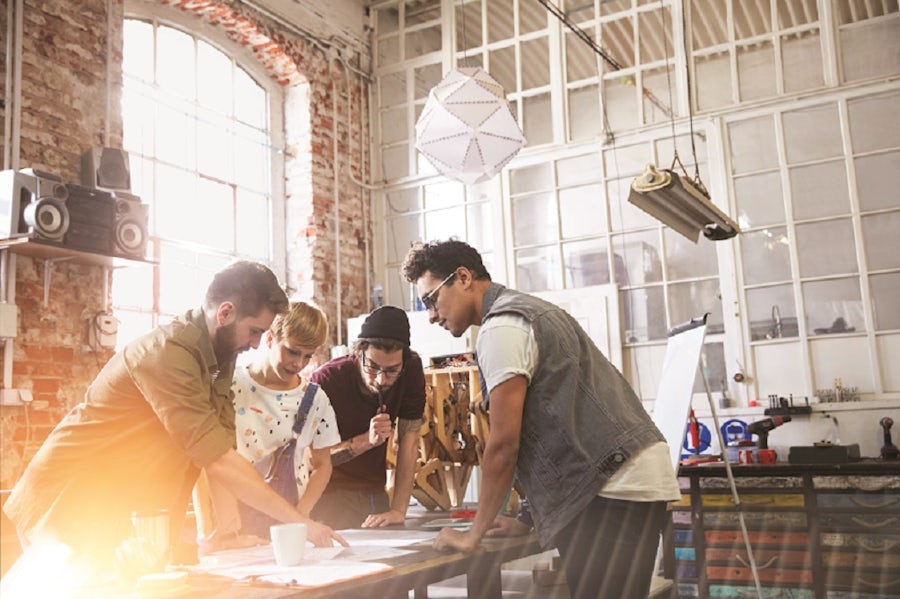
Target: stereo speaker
24 211
132 218
92 219
106 168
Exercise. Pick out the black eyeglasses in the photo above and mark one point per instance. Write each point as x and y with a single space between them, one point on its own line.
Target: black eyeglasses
429 300
374 370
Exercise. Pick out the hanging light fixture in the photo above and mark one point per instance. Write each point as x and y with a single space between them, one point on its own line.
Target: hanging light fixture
466 129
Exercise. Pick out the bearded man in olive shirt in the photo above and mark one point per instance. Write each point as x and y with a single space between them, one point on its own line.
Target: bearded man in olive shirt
159 410
379 386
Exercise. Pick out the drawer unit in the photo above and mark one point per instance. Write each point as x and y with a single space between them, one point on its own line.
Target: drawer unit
817 531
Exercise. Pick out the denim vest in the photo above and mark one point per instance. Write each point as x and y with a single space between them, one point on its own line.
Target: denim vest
581 419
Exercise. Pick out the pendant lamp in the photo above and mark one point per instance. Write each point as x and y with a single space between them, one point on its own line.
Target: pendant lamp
466 129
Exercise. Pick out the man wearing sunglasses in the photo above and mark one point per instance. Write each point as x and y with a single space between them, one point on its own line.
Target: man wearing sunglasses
380 386
564 423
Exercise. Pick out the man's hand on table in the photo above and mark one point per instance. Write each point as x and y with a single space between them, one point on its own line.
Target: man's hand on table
321 535
504 526
449 539
384 519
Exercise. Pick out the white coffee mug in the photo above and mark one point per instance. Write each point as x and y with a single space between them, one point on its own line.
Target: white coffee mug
288 542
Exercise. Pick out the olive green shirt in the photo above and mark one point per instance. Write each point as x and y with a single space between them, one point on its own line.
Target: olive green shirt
156 413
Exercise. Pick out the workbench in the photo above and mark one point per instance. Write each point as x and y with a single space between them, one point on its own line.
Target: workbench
817 531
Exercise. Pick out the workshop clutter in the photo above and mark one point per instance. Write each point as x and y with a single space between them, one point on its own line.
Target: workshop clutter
452 437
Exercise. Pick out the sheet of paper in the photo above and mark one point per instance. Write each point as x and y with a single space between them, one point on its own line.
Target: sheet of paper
386 537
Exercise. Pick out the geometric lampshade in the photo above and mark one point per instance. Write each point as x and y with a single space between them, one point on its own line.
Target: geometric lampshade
466 130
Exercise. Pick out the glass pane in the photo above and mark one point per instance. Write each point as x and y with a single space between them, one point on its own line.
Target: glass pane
395 162
618 35
443 224
621 102
536 58
711 31
532 17
880 238
833 306
401 233
251 159
772 312
175 62
885 291
796 12
624 215
802 57
653 25
657 98
687 260
184 277
468 25
175 135
587 263
538 269
425 79
877 180
826 248
537 125
387 20
500 20
503 68
402 200
423 41
393 89
580 169
870 50
713 87
444 195
756 70
418 12
641 255
585 121
696 298
873 122
531 178
820 190
534 219
131 326
759 200
627 160
581 61
175 189
253 236
812 134
214 146
250 100
582 211
212 198
394 125
480 226
137 50
213 79
645 314
766 256
750 19
133 286
388 51
137 122
752 143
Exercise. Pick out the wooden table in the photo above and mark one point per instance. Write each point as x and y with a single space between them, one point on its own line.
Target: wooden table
410 572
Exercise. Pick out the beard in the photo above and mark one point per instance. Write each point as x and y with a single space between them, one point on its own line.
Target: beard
224 345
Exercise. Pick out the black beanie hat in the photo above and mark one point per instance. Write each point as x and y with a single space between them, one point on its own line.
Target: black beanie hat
387 322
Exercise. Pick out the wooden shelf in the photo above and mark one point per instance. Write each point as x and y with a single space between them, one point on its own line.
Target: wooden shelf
48 250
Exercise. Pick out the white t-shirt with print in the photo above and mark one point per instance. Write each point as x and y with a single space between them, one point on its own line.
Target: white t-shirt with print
264 419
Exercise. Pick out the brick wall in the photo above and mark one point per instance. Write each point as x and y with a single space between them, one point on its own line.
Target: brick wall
64 74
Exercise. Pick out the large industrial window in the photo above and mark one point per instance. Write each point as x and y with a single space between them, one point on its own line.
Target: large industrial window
198 130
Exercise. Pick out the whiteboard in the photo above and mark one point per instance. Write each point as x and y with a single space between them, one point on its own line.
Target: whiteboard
676 384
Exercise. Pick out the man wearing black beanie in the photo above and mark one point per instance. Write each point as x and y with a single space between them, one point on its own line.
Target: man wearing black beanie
380 385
